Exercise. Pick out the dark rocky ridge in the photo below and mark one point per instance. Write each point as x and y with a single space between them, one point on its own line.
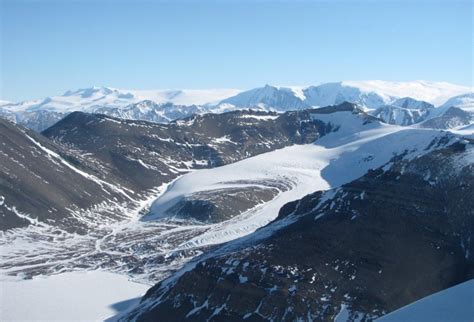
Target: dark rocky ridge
134 157
397 234
146 154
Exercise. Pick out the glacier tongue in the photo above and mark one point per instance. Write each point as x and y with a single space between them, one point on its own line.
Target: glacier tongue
333 160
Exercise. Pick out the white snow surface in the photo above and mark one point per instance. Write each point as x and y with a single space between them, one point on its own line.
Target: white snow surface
73 296
331 161
453 304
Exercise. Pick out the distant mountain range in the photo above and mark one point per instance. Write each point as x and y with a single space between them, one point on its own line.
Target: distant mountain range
402 103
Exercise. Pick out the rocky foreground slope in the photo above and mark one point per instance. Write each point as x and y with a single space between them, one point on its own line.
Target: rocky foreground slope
398 233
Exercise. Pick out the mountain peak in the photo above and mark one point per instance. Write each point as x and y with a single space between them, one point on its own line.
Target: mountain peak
411 103
89 91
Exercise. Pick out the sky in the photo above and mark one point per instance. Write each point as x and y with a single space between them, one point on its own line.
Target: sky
48 47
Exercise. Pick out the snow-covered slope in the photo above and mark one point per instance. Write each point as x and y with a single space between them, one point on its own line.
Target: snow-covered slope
453 304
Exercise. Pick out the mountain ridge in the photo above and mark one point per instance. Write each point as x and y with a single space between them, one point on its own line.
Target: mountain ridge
39 114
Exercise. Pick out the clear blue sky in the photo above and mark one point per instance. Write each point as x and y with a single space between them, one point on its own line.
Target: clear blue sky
48 47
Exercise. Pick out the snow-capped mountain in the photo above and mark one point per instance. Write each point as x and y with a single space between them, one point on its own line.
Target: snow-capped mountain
321 95
87 99
394 102
411 103
267 97
456 112
404 111
40 114
369 95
